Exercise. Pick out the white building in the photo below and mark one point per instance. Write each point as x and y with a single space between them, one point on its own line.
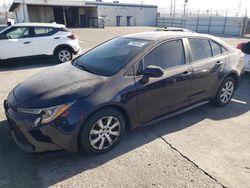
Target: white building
80 13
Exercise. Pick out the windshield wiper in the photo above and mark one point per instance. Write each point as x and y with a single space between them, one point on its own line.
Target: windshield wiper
85 68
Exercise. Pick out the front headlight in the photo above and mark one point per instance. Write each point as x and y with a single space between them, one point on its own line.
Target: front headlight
47 114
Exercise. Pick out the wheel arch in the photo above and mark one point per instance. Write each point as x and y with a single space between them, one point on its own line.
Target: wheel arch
116 107
63 46
235 76
232 74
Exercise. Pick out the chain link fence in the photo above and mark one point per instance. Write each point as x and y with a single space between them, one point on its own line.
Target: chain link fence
213 22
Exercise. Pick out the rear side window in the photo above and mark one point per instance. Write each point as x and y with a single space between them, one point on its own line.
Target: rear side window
200 49
217 48
167 55
43 31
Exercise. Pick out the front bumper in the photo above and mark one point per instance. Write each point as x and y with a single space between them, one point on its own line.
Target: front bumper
51 137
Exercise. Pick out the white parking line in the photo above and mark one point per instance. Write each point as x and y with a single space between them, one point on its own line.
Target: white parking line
238 101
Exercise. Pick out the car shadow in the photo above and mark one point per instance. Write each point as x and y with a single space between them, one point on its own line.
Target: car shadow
11 65
19 169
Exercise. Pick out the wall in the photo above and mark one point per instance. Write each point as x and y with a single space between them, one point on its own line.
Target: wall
21 14
206 24
40 14
53 2
141 16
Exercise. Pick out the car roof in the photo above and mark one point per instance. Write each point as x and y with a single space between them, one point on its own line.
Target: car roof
55 25
180 29
165 35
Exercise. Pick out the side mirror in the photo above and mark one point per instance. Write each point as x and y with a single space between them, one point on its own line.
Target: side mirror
153 71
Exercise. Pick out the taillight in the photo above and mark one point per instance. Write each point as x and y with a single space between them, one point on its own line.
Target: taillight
72 36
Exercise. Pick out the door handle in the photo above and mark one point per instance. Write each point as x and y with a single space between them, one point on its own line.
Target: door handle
219 63
186 73
57 38
26 42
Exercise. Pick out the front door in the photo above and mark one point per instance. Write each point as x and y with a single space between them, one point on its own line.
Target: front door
162 95
16 42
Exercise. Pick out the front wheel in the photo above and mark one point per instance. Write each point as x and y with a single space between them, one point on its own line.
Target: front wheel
63 55
102 131
225 92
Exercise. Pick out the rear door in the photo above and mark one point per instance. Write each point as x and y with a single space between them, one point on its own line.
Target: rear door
16 42
207 61
171 91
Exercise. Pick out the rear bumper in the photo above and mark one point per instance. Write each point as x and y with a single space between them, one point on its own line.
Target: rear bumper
247 62
77 51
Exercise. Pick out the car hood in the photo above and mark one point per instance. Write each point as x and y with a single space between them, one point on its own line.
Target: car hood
57 85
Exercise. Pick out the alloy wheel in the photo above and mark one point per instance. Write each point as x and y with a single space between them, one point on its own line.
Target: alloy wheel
64 56
105 132
227 92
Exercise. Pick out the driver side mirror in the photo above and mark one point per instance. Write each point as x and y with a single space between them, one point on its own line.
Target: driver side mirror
153 71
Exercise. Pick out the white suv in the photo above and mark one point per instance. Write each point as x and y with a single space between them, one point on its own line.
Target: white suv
38 39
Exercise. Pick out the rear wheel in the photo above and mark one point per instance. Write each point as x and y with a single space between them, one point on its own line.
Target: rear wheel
63 55
225 92
102 131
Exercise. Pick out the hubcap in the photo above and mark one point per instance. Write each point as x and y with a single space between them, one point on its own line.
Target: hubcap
64 55
227 92
105 132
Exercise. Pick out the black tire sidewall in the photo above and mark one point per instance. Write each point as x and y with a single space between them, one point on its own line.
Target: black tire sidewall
217 99
84 145
61 49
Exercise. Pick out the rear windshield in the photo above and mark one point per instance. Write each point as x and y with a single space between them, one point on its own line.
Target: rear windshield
108 58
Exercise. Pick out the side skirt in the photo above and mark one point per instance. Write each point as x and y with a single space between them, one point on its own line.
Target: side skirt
162 118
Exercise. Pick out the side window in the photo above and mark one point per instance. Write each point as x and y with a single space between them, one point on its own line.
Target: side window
217 48
18 32
167 55
200 49
43 31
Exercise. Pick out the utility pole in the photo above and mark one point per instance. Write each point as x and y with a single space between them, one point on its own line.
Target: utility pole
185 8
239 7
141 3
174 8
5 11
171 8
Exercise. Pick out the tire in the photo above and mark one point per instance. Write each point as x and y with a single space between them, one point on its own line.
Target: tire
63 55
96 140
225 92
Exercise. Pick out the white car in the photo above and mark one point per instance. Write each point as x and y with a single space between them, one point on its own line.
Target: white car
247 62
38 39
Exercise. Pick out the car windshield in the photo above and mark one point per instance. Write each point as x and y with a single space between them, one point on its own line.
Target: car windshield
108 58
